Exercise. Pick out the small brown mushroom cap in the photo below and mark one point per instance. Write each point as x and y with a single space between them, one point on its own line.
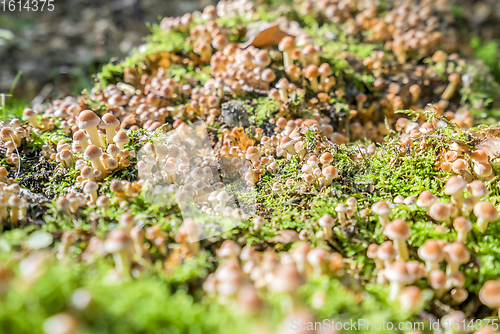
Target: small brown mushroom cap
118 240
92 152
386 251
372 250
398 272
426 199
286 44
90 186
489 294
121 137
462 224
326 221
486 211
437 279
28 113
456 252
397 229
312 71
431 251
381 208
477 189
440 211
287 278
109 121
87 119
455 184
80 137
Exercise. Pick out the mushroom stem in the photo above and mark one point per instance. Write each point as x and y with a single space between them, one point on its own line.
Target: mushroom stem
314 84
110 133
395 289
94 137
451 268
431 265
449 91
462 236
379 263
328 232
14 216
402 249
482 224
384 220
122 262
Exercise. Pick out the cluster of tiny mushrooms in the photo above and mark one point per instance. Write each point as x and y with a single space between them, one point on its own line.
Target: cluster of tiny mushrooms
97 142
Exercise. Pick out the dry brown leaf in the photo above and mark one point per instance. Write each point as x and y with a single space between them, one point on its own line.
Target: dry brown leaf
267 37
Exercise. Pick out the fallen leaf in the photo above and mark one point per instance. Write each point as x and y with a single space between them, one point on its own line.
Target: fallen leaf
267 37
491 146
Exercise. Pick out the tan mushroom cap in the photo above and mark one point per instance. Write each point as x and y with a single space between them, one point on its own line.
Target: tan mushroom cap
398 272
489 294
486 211
121 137
341 208
386 251
15 201
286 44
325 69
109 121
455 184
28 113
431 251
330 172
90 186
312 71
381 208
477 189
397 229
456 252
118 240
426 199
440 211
92 152
411 296
102 201
80 137
372 251
287 278
437 279
462 224
326 221
88 119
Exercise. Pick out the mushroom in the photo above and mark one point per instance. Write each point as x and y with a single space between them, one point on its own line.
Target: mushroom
287 45
426 200
432 253
399 231
478 190
326 221
456 254
341 210
93 154
14 203
462 225
312 75
383 210
371 253
489 295
455 187
440 212
90 188
454 79
410 298
398 276
437 281
30 116
109 123
118 243
485 213
88 121
387 253
120 139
